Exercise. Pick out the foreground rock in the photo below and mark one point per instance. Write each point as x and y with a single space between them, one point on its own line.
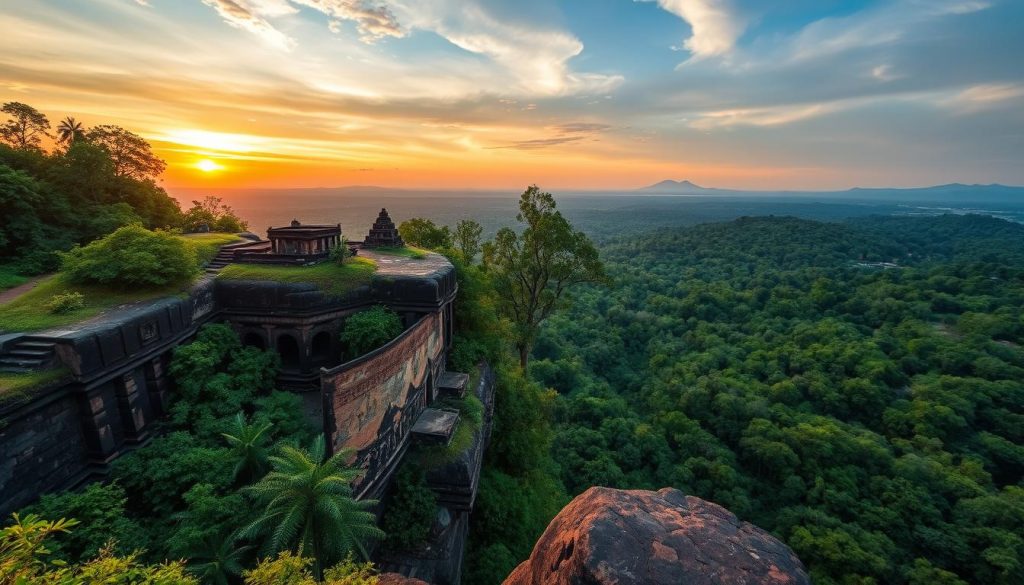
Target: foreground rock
615 537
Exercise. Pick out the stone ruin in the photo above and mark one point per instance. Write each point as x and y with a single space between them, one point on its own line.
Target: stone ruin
383 234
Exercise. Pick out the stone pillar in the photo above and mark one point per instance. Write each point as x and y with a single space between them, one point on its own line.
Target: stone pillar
133 404
158 386
97 428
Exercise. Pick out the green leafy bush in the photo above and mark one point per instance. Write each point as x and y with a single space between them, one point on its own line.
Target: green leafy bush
133 255
340 253
411 511
367 330
62 304
100 511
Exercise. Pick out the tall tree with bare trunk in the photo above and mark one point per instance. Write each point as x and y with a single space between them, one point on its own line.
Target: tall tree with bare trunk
26 128
534 270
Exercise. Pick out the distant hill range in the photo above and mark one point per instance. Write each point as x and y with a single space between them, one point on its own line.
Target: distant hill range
951 192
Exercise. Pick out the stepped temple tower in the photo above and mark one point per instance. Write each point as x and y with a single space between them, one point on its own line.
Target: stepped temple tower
383 234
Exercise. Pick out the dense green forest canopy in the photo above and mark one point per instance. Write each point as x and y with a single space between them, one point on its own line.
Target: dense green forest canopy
870 414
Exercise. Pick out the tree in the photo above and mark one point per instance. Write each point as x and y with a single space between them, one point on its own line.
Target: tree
467 238
309 508
534 270
131 155
133 255
21 198
367 330
425 233
216 215
248 447
70 131
26 128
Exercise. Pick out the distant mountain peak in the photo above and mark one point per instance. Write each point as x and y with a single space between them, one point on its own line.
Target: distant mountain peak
670 185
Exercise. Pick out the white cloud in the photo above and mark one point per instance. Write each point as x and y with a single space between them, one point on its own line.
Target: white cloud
248 16
534 54
716 25
884 73
374 21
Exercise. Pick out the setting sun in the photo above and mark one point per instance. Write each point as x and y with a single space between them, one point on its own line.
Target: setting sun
206 165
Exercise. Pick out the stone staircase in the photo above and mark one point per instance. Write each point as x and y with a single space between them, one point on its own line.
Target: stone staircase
28 355
222 259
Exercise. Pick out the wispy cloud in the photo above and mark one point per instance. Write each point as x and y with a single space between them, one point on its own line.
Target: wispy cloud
240 14
373 21
984 97
564 134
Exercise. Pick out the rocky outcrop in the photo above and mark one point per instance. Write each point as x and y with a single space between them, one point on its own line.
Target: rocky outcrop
614 537
396 579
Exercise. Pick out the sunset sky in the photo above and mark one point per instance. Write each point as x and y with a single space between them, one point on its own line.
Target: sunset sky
572 94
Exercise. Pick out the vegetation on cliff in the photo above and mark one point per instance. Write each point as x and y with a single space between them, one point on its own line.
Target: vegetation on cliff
226 483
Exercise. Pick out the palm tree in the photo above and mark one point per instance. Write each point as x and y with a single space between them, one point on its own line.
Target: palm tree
70 131
217 560
248 446
310 508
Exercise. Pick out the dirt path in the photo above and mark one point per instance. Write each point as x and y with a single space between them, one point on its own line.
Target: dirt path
13 293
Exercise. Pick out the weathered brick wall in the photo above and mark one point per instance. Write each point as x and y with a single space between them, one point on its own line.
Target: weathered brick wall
373 402
41 450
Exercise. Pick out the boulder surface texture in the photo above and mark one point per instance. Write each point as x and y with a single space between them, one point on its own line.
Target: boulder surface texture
615 537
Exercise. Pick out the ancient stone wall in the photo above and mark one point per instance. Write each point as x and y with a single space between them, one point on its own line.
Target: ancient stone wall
371 403
41 449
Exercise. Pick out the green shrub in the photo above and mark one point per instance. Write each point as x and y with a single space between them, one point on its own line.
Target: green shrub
62 304
100 509
133 255
367 330
339 253
410 514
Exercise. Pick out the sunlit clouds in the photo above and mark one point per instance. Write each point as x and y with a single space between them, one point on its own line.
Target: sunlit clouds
486 93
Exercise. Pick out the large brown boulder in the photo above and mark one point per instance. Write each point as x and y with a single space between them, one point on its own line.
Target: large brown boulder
615 537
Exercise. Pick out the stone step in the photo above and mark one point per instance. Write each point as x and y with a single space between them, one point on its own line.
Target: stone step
36 344
17 362
30 353
15 370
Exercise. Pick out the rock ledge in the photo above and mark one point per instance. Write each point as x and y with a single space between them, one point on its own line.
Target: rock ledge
614 537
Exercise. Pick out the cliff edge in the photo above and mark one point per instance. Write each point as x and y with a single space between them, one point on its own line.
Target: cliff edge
607 536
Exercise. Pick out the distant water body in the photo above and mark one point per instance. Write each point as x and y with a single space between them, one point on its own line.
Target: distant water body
600 214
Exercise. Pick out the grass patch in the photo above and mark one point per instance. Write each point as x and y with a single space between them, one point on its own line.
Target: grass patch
329 277
207 245
14 385
404 252
29 312
9 278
